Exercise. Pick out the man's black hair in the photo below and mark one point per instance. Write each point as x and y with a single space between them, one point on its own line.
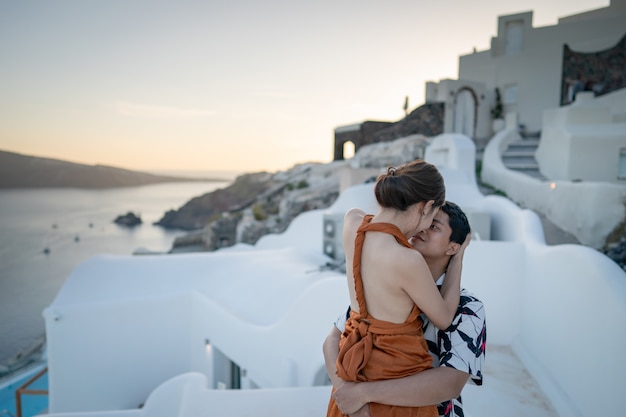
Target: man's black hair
458 222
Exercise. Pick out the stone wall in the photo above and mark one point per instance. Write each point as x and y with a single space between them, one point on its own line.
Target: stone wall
426 120
361 135
601 72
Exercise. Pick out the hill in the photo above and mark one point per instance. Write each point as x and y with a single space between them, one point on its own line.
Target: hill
23 171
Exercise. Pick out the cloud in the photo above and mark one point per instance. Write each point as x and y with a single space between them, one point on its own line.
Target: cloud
160 112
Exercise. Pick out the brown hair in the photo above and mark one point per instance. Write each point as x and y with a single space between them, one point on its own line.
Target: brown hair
409 184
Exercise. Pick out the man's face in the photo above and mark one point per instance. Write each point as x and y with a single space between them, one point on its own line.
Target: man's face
435 240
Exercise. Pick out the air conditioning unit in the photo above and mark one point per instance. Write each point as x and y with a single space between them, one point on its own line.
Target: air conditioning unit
333 245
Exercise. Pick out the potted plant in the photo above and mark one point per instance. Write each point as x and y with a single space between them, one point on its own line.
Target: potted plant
497 113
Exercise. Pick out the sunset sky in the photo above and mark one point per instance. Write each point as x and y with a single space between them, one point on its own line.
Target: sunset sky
211 85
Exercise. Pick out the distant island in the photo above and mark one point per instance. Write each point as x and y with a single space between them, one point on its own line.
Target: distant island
129 219
23 171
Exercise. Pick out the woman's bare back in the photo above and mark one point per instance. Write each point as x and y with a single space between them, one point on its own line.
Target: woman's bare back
382 261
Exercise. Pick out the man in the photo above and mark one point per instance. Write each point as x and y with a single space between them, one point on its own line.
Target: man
458 352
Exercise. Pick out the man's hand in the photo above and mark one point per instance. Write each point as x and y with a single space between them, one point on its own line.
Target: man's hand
348 398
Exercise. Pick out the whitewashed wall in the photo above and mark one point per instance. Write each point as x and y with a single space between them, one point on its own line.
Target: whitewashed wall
588 210
128 330
581 142
124 325
534 296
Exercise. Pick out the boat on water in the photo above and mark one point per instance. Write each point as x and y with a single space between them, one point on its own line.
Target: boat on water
239 331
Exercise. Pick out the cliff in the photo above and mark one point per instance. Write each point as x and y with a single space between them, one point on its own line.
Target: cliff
199 211
252 206
23 171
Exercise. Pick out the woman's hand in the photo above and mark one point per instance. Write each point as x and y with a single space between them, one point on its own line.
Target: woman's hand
349 399
467 241
459 254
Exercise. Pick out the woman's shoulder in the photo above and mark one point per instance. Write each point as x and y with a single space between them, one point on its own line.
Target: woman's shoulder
351 222
355 212
354 215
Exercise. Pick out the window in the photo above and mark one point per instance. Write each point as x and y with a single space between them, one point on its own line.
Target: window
348 150
514 37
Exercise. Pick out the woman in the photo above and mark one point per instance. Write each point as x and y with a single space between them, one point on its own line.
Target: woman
390 284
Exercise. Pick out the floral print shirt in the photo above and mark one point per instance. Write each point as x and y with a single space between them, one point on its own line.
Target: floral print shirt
461 346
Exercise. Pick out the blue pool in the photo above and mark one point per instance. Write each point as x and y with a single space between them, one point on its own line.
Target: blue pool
32 404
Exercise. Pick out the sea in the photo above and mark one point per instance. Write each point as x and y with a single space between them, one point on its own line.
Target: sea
46 233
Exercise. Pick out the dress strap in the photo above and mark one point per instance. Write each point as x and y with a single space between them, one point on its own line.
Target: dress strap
368 226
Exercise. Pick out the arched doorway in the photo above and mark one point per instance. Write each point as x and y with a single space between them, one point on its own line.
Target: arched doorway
465 112
348 150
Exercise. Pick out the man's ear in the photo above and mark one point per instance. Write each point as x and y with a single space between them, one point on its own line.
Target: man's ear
453 248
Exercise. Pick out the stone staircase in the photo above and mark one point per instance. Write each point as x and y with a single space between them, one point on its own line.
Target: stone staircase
520 156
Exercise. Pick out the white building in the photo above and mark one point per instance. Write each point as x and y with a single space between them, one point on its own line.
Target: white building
542 74
527 65
466 106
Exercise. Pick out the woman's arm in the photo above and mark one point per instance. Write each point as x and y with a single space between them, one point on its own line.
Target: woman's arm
417 282
454 270
452 286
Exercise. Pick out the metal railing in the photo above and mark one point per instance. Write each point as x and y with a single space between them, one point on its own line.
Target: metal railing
23 390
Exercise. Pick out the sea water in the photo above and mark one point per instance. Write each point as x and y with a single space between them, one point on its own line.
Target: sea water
46 233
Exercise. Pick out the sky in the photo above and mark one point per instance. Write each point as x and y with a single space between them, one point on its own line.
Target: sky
243 86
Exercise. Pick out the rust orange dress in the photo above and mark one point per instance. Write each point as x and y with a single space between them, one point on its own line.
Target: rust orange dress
372 349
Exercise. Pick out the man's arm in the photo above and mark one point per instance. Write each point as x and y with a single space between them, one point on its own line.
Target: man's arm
425 388
429 387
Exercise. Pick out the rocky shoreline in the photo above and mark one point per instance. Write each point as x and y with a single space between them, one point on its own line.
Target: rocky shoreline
252 206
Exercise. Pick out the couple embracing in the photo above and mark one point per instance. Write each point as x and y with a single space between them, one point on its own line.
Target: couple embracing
412 337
